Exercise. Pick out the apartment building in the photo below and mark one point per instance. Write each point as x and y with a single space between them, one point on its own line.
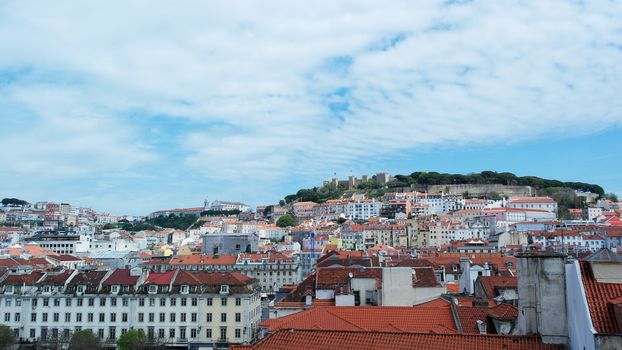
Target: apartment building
175 308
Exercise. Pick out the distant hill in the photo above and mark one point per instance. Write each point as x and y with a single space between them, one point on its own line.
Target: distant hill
418 179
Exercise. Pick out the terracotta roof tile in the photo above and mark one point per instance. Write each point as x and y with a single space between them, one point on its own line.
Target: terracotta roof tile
314 339
598 297
121 277
368 318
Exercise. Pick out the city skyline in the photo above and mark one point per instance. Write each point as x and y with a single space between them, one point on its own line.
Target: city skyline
131 109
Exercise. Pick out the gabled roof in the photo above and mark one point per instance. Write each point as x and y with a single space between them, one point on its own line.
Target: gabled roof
21 279
88 278
121 277
368 318
490 284
599 297
425 277
160 278
185 278
56 278
334 278
321 339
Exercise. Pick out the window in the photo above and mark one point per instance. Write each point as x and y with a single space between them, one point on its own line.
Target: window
141 317
91 301
34 302
209 317
102 317
100 333
113 301
8 302
89 317
46 302
7 317
162 317
184 289
223 332
182 316
193 317
238 332
153 289
79 302
223 301
151 301
56 317
102 301
161 333
33 317
68 302
141 302
114 289
182 332
112 332
208 333
238 301
194 301
238 317
32 333
18 317
150 332
124 317
67 317
78 317
113 317
172 317
171 333
224 289
223 317
151 317
183 301
210 301
162 302
125 302
193 333
173 301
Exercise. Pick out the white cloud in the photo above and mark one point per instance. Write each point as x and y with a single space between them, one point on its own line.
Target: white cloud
276 89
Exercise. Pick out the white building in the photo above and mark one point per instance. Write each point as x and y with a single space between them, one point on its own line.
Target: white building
544 203
174 308
362 209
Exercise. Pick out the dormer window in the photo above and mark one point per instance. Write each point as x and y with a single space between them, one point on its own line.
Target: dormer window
153 289
126 289
224 289
184 289
114 289
46 289
9 289
81 289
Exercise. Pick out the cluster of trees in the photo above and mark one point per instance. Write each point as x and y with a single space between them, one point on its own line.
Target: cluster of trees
84 340
316 194
489 177
13 202
286 221
179 222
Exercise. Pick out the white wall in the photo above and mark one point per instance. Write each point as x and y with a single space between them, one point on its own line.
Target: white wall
580 329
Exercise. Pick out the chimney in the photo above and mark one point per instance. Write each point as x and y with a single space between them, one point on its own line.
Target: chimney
466 284
481 326
542 297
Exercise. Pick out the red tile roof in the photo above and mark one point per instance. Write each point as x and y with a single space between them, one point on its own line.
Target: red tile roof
160 278
187 278
335 278
121 277
368 318
490 284
200 259
28 279
599 297
325 340
469 315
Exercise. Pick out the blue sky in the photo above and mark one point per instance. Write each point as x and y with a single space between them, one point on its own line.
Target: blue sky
135 107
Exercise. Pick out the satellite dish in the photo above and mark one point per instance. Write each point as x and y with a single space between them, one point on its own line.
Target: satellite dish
350 274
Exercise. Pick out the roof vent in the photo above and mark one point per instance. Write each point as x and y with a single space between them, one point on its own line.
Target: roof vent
481 326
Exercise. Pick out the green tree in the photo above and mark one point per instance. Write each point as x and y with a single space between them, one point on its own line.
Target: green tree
132 339
286 220
84 340
612 197
7 337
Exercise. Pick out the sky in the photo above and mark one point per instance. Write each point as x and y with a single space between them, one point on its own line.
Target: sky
131 107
